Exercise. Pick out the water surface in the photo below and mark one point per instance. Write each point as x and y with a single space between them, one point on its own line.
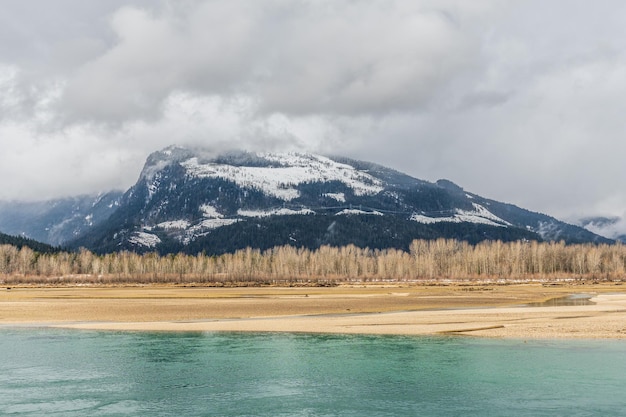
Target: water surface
79 373
569 300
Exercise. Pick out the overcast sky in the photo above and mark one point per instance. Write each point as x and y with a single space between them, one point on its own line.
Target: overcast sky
520 101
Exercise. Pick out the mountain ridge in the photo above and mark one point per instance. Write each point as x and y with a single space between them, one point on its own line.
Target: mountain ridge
19 242
194 200
57 221
612 227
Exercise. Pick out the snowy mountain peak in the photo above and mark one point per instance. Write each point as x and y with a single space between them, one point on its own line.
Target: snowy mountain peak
159 160
199 200
282 172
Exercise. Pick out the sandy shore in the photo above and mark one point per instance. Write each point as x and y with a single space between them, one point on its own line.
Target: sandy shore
488 311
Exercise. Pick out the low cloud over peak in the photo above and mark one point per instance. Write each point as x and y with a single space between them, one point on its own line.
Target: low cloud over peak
520 101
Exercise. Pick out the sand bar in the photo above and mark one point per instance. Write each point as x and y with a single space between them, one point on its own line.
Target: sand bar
477 310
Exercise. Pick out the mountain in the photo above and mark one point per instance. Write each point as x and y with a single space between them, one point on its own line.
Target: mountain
57 221
19 242
609 227
190 200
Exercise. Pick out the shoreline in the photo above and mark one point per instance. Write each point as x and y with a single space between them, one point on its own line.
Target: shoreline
480 311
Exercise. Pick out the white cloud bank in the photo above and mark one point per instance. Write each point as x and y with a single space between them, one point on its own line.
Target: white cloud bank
520 101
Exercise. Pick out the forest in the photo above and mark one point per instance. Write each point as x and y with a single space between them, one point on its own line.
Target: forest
427 261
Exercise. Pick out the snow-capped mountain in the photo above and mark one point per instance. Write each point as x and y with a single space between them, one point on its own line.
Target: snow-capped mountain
57 221
192 200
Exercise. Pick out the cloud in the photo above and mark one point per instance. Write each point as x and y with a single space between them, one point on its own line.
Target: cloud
39 164
520 101
297 58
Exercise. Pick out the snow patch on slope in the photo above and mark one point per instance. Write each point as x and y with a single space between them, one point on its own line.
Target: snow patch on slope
294 169
355 211
209 224
144 239
479 215
341 197
174 224
215 223
210 212
275 212
204 228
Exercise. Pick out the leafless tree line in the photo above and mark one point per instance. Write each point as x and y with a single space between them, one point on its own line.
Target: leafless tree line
436 260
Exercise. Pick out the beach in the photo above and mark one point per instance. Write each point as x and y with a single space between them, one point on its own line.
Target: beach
501 311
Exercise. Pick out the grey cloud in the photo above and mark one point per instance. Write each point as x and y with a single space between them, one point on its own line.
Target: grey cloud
293 58
484 99
43 43
354 60
521 101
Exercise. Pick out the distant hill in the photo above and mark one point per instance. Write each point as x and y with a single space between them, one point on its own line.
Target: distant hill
57 221
21 242
191 200
609 227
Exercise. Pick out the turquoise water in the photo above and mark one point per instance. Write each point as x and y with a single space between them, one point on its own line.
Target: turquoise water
84 373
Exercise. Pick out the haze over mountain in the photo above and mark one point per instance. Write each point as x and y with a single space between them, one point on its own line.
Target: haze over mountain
193 200
57 221
610 227
19 242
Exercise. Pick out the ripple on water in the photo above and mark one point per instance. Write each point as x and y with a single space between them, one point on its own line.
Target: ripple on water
570 300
